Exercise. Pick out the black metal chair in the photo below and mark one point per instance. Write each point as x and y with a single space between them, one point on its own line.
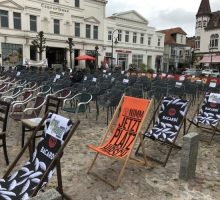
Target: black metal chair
4 110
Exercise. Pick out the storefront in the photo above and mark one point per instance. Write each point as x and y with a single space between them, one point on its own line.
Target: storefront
12 54
55 56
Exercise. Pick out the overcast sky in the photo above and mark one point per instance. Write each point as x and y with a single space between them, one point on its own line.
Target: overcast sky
163 14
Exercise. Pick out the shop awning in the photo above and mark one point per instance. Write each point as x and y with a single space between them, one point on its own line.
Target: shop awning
210 59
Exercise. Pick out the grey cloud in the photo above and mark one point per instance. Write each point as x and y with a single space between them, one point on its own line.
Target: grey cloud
175 18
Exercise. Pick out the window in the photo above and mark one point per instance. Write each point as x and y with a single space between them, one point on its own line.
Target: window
181 39
173 52
56 1
199 24
77 29
204 23
33 23
197 42
109 35
4 18
134 37
158 42
137 59
149 41
17 20
119 35
214 41
56 25
88 31
126 36
77 3
142 38
12 54
95 32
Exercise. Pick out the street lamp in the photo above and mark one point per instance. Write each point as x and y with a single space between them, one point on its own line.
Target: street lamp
96 56
211 48
113 42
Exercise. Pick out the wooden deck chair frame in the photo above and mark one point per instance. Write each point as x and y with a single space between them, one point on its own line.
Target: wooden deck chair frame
54 163
127 158
212 130
170 145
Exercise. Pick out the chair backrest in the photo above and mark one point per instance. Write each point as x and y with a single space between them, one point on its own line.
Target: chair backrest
170 118
4 110
132 114
39 101
52 104
65 93
210 110
37 172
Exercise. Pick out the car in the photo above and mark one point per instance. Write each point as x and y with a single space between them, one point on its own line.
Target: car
211 72
195 72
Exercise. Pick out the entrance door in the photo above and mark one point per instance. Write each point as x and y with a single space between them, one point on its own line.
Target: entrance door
55 56
123 61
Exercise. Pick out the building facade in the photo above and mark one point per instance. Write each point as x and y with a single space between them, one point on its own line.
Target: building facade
207 34
131 42
59 19
86 23
177 53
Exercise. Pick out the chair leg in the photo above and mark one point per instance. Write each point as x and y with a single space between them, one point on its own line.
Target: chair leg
5 149
168 155
59 178
214 132
93 162
23 135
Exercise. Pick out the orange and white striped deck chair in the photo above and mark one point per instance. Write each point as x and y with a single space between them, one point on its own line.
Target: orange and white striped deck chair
128 117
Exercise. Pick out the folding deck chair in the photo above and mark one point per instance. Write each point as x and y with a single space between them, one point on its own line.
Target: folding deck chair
129 115
207 114
37 172
167 125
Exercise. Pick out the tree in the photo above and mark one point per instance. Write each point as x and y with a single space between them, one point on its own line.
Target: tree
39 43
70 49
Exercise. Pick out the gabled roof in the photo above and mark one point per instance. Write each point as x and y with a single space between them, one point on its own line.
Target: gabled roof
130 15
10 4
170 34
92 20
204 9
214 21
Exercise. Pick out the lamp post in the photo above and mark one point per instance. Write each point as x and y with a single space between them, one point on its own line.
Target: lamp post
211 48
96 56
70 48
116 42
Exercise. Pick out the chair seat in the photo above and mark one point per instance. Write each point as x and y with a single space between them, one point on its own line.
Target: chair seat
163 134
73 110
31 123
206 119
21 184
20 116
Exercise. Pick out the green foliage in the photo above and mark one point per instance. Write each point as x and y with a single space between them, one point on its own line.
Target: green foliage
150 70
39 43
143 67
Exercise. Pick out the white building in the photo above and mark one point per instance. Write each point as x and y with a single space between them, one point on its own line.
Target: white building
177 53
137 43
59 19
207 35
85 22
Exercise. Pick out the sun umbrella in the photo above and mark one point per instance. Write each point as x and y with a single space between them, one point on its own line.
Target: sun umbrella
85 57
